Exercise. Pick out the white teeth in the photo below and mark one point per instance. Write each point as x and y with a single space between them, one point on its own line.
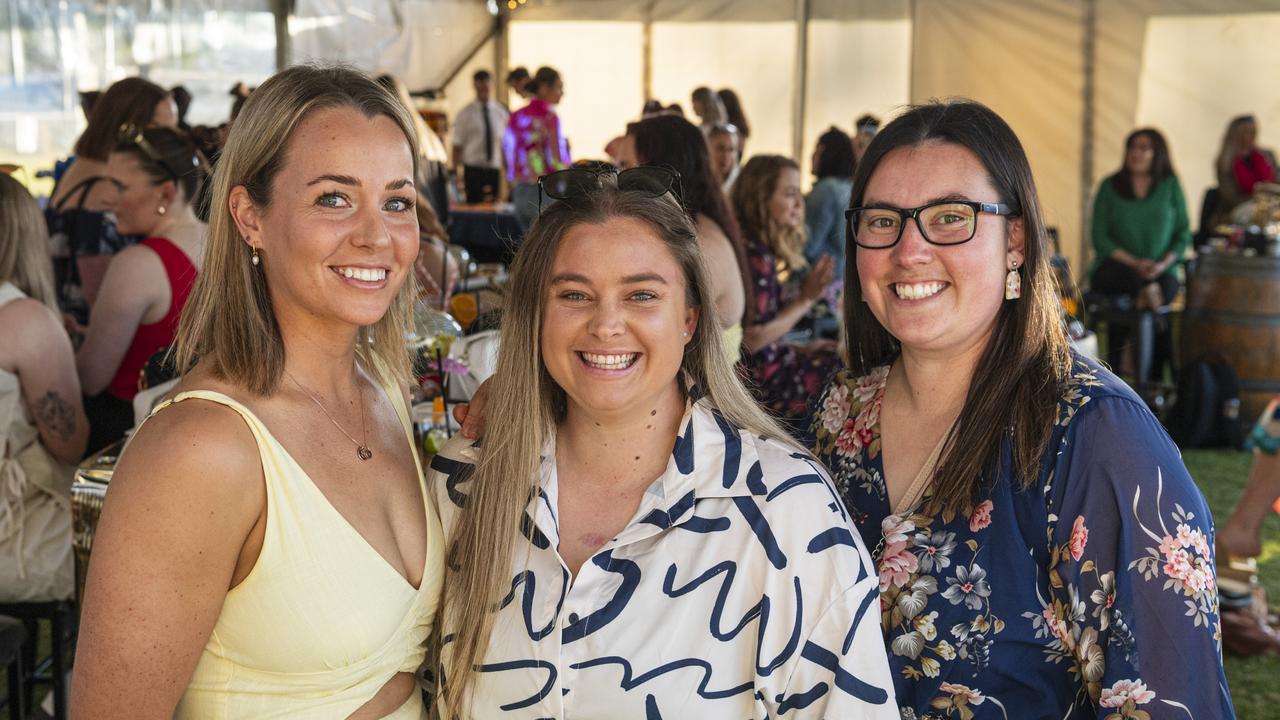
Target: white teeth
365 274
609 362
917 291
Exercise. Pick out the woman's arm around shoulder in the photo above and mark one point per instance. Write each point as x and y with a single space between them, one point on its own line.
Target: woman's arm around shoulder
46 368
1131 568
173 538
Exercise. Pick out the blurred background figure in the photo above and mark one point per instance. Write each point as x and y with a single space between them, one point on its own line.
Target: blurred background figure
42 424
1140 233
825 205
735 117
433 159
785 375
477 142
182 100
864 129
709 109
722 142
1241 165
534 144
518 84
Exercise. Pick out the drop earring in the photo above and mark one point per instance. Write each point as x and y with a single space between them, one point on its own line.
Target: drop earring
254 258
1013 284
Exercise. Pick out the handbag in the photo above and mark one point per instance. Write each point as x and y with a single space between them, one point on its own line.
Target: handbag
81 242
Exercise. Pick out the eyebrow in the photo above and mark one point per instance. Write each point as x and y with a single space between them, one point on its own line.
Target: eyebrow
950 197
628 280
355 182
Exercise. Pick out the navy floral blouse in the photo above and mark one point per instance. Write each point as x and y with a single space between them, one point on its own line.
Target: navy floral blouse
1089 595
784 376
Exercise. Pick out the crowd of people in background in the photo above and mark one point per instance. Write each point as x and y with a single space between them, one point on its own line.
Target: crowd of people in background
942 403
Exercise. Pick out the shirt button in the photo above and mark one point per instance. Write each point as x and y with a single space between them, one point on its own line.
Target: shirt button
573 618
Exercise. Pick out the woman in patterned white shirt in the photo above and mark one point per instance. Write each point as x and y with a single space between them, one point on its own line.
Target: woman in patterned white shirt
633 536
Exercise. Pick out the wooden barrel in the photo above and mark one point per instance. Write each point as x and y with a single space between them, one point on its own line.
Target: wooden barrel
1233 308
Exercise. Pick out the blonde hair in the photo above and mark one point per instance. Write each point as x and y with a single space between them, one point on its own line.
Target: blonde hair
480 550
229 321
24 244
750 195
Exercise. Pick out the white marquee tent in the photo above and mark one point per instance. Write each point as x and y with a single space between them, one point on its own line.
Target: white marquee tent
1071 76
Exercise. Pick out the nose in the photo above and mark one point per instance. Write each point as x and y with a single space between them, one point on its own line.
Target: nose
372 231
607 320
912 248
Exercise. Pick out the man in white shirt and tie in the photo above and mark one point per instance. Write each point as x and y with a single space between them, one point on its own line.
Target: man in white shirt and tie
477 142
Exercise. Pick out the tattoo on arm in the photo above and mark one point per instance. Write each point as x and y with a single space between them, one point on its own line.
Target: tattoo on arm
56 415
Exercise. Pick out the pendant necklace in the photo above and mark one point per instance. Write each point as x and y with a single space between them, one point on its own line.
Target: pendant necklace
362 449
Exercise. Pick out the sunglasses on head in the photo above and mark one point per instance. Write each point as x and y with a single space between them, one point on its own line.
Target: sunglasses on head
134 135
648 180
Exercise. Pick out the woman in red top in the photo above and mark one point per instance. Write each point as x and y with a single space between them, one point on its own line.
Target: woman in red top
1241 166
155 173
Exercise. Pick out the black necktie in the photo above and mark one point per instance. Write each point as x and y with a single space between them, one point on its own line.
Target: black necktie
488 133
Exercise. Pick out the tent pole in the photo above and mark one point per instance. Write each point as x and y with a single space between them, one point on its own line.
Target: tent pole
800 88
281 9
501 58
1088 106
646 48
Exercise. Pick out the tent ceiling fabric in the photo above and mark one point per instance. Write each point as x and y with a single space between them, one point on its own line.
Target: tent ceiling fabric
708 10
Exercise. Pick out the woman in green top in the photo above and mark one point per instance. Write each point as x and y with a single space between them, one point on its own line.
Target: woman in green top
1140 232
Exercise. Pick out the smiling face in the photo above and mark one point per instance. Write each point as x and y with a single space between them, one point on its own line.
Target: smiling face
615 318
137 198
786 203
340 235
937 299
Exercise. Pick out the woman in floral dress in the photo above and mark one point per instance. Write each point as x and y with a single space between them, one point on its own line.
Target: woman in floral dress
770 208
1042 551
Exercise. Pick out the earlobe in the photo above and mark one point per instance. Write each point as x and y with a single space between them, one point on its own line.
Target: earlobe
691 322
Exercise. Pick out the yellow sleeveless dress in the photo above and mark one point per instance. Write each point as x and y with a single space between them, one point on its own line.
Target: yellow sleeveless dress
322 621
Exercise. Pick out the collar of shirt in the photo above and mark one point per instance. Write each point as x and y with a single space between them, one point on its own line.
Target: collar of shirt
711 459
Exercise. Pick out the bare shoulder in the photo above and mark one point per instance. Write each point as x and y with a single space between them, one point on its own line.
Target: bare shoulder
199 450
35 323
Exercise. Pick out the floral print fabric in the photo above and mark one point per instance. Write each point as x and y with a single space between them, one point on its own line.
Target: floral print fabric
1088 595
785 377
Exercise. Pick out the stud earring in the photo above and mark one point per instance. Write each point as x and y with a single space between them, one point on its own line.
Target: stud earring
1013 284
254 259
161 210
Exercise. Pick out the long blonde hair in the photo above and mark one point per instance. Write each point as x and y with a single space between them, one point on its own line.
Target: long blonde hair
24 244
481 548
750 196
229 321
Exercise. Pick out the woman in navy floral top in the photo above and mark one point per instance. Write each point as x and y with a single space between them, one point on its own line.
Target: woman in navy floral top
1042 551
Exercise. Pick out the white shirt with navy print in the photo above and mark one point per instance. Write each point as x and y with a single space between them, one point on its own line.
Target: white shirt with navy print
738 590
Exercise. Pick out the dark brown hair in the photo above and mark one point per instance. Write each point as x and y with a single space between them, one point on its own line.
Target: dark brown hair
131 101
1161 165
677 143
1013 394
176 158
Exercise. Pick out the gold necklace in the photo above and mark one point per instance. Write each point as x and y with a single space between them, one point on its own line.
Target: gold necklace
362 449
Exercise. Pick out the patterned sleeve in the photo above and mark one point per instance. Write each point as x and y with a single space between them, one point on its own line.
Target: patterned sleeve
1133 603
842 671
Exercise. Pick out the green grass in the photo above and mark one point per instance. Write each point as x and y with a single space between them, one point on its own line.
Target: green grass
1221 475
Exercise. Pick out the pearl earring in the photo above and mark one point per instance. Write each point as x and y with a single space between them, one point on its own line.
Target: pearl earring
1013 284
161 210
254 259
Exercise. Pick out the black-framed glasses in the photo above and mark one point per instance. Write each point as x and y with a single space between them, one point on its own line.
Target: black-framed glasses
134 135
946 222
649 180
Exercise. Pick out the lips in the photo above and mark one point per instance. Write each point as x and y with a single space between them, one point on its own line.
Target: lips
363 274
918 291
612 361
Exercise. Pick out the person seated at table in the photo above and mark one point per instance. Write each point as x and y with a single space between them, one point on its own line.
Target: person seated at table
85 236
655 496
786 376
42 423
156 173
1140 232
676 143
267 547
825 204
1240 166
